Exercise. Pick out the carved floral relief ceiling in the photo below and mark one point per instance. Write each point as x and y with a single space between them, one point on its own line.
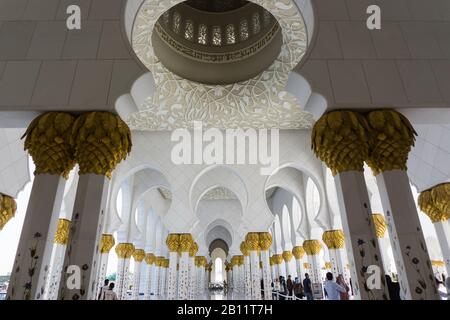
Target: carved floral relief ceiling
260 102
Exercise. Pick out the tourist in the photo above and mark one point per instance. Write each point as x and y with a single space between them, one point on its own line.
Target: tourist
283 288
103 289
307 287
341 281
109 294
298 288
393 288
276 288
290 286
332 288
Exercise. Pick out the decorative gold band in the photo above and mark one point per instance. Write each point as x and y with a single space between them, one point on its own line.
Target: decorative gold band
150 258
106 243
298 252
380 224
8 207
287 256
139 255
62 232
334 239
125 250
312 247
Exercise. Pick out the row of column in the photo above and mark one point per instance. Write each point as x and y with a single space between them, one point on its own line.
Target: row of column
97 142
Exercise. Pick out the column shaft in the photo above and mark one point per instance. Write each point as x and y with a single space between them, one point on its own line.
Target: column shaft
255 275
32 262
267 279
443 234
172 276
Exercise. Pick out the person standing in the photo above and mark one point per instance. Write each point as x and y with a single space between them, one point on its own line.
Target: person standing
298 289
290 286
333 288
103 289
307 287
110 294
341 281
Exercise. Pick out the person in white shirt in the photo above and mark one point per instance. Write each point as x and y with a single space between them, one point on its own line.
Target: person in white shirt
332 288
103 289
110 294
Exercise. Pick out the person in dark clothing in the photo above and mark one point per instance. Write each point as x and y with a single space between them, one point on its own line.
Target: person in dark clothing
283 288
290 286
307 287
393 288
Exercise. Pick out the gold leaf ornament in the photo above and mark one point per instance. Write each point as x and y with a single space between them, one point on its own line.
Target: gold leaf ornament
101 140
339 138
8 208
334 239
312 247
106 243
47 140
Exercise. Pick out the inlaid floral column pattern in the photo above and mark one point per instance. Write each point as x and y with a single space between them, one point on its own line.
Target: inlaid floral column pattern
186 241
334 240
435 203
106 244
124 252
391 139
380 228
59 249
312 249
202 265
341 141
265 241
100 140
150 260
252 242
298 253
158 265
164 281
241 276
48 143
192 279
8 207
138 255
173 243
247 275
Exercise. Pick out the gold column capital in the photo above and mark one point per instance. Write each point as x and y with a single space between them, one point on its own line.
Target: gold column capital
165 263
8 208
173 242
391 138
252 241
265 240
298 252
62 232
435 202
327 265
139 255
106 243
306 265
186 241
150 258
243 248
437 263
240 260
287 256
159 261
124 250
334 239
380 224
277 258
100 140
312 247
47 140
271 261
340 139
193 250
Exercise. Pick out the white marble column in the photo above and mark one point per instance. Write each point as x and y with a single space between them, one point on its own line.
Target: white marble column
186 242
138 255
173 242
253 246
150 260
235 270
278 263
287 257
265 242
157 285
405 232
106 243
334 240
341 140
124 252
298 253
57 260
192 278
312 249
164 279
443 234
380 228
247 278
32 262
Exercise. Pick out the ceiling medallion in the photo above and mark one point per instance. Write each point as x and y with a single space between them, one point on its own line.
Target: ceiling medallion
259 102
